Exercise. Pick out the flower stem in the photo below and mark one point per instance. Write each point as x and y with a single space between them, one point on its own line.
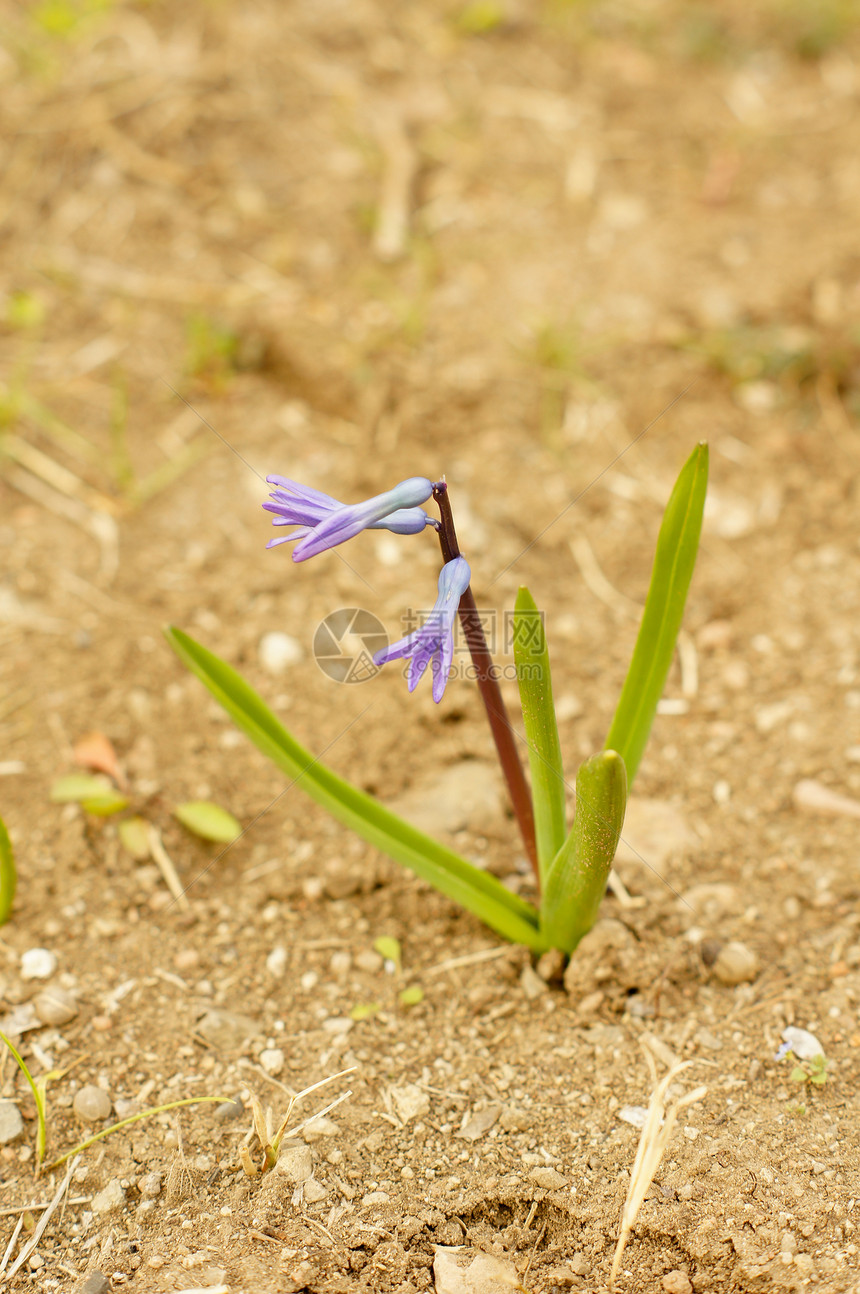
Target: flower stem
497 714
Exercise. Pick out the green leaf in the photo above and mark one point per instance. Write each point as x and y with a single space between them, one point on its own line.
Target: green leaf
8 874
578 874
95 794
80 786
365 1011
547 774
477 891
208 821
674 560
389 948
411 996
134 838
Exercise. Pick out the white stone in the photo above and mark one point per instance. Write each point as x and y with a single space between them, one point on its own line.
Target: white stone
409 1102
802 1044
92 1104
278 651
11 1123
319 1128
296 1163
38 963
55 1006
276 962
272 1059
112 1197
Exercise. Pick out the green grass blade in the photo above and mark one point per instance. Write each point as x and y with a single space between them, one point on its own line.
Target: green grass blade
8 874
547 774
477 891
677 545
38 1097
577 877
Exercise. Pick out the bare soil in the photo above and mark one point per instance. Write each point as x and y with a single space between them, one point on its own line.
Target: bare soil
542 249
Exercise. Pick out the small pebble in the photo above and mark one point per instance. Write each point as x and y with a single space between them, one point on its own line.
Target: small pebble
276 962
676 1282
278 651
733 963
150 1185
532 984
272 1059
547 1178
296 1163
314 1191
55 1006
96 1283
38 963
801 1043
92 1104
11 1123
551 966
370 961
319 1128
112 1197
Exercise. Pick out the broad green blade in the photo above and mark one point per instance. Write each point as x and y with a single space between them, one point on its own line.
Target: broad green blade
674 560
533 675
477 891
577 877
8 875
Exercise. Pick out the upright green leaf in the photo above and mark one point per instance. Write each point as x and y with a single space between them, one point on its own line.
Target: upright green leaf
547 774
677 545
477 891
8 875
578 874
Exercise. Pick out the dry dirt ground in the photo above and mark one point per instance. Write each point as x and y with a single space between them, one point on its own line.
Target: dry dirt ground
543 249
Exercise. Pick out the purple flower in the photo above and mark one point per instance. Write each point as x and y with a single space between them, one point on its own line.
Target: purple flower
434 641
324 522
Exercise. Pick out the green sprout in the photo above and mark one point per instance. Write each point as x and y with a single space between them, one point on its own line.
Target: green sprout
39 1089
812 1071
271 1138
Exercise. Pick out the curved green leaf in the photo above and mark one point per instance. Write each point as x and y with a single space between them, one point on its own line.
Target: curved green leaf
477 891
674 560
547 774
577 877
8 874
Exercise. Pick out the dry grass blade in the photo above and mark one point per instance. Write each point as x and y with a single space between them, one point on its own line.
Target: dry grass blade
31 1244
656 1134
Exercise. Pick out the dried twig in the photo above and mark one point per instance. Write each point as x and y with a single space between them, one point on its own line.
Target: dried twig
164 863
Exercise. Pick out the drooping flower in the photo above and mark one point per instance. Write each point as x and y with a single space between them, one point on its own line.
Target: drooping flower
324 522
433 642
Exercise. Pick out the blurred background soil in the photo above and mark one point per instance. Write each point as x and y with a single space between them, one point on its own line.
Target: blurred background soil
542 248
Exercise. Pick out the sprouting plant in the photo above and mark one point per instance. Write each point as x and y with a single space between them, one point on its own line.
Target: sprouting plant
39 1089
571 862
812 1071
270 1138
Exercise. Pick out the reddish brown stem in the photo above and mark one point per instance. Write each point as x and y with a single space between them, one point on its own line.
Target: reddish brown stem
497 714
